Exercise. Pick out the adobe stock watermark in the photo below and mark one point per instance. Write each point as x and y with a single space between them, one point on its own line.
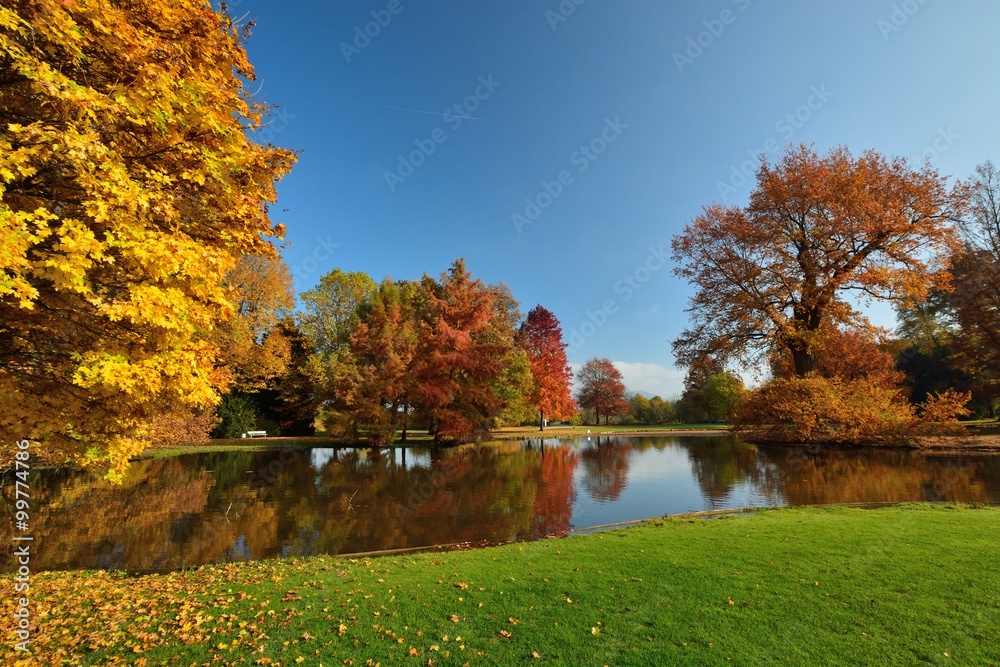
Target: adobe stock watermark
455 116
562 12
626 287
945 139
363 35
786 126
581 159
900 15
22 546
702 40
322 251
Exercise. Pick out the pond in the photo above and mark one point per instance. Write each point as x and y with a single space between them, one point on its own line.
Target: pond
232 506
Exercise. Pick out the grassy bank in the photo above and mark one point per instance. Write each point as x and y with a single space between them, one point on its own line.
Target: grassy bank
902 585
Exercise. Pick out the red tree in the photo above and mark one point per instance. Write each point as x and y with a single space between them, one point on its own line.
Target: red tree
458 363
601 389
379 385
541 338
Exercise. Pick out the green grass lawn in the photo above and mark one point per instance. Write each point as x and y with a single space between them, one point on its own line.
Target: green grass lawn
904 585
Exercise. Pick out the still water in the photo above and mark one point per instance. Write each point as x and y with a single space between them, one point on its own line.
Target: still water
218 507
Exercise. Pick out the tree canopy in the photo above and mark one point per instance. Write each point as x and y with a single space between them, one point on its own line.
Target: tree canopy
440 352
816 230
601 389
129 187
541 337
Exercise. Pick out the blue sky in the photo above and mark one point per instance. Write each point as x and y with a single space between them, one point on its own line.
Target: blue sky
587 134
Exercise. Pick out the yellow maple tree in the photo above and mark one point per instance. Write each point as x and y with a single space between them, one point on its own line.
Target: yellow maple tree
129 187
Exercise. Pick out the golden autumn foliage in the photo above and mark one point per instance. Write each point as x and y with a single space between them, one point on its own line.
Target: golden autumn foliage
252 349
861 410
128 189
855 396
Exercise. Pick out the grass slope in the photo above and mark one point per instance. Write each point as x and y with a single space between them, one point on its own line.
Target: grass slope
904 585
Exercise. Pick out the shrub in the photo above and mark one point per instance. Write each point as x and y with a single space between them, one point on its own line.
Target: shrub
854 411
237 414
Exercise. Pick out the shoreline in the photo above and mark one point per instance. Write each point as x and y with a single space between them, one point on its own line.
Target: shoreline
986 442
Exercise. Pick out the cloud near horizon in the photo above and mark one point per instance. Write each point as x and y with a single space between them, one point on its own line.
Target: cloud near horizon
650 378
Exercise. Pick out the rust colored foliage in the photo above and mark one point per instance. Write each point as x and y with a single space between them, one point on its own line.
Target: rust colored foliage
601 389
541 337
816 230
848 354
428 347
457 361
378 385
861 410
855 396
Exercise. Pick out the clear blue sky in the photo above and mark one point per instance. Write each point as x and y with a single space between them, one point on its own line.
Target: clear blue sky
668 99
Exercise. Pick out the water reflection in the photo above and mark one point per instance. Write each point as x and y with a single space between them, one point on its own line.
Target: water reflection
221 507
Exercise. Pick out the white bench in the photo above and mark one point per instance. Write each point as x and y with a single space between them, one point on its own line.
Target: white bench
255 434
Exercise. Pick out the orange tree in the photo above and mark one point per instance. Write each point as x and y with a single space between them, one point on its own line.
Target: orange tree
777 277
601 389
129 187
541 337
816 230
855 395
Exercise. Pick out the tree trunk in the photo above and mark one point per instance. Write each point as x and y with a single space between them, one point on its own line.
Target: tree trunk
805 361
541 420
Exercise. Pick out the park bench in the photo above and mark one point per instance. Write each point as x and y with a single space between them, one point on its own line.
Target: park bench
255 434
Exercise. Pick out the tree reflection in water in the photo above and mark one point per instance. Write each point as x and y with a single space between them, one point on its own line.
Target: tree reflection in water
218 507
606 464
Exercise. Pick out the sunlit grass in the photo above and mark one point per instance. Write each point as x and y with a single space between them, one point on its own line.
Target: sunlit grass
837 586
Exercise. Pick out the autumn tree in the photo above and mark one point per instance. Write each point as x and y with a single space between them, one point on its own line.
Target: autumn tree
514 385
847 353
601 389
330 310
973 307
816 231
541 337
458 363
252 350
292 399
661 411
379 382
638 408
129 187
651 411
